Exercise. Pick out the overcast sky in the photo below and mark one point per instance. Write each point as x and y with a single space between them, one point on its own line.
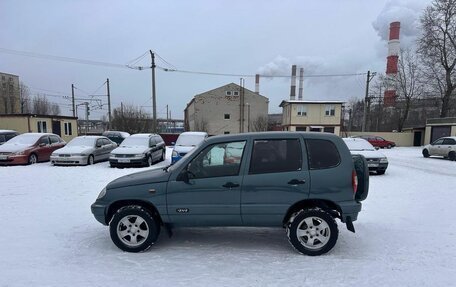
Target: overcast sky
238 37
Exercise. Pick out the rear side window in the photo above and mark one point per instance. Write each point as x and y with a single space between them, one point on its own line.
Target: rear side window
281 155
449 142
322 154
54 139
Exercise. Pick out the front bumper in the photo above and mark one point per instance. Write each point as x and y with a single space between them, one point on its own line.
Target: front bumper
71 160
99 212
14 160
379 167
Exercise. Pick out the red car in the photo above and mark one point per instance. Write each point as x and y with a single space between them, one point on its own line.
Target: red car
29 148
377 141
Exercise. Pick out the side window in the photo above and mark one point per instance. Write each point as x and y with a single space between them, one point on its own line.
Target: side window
379 139
223 159
44 140
322 154
54 139
9 136
449 142
106 141
99 142
438 142
281 155
2 139
152 141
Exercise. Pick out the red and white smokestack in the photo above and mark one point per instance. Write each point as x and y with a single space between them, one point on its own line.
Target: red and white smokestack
257 84
301 83
391 63
293 83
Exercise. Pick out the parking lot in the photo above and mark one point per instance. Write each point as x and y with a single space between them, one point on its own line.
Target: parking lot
404 236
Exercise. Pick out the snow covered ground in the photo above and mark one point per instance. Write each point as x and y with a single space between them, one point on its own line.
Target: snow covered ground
405 236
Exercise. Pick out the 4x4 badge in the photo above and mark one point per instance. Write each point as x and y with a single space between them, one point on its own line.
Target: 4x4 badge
182 210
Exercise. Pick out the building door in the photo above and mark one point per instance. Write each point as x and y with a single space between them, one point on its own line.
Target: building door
417 136
56 128
440 131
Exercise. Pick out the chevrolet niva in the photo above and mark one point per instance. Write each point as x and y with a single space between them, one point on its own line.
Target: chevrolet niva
299 181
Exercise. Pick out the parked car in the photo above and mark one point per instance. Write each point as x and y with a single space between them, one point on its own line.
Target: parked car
445 147
139 150
6 135
29 148
185 143
299 181
116 136
376 161
377 141
84 150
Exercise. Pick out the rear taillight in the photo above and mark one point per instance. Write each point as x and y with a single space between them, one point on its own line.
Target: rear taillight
354 181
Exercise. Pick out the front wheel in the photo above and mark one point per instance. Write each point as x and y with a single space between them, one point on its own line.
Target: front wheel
90 160
312 231
426 153
32 159
133 229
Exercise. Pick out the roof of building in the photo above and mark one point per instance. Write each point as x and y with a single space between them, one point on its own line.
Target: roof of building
308 102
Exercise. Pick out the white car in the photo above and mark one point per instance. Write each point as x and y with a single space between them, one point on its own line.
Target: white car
376 160
445 147
185 143
83 150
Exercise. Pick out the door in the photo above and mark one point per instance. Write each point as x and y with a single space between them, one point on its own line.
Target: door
436 147
447 146
108 146
417 135
277 178
211 195
98 153
440 131
56 128
44 149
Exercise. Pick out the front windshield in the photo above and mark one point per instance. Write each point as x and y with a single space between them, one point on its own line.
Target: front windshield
358 145
25 139
135 141
82 142
189 140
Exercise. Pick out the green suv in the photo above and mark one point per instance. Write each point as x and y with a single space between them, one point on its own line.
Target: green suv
299 181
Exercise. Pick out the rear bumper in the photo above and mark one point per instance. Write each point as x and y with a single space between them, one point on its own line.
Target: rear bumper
349 210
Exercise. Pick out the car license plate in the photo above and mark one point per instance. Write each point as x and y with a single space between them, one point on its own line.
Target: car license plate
372 165
3 157
124 160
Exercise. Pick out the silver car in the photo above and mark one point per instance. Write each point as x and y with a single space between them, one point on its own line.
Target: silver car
84 150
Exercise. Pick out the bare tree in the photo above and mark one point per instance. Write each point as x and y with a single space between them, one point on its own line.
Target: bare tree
42 106
437 48
260 124
24 95
130 119
408 84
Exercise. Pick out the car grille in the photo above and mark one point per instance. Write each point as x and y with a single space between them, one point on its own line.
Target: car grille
5 153
64 155
373 160
124 155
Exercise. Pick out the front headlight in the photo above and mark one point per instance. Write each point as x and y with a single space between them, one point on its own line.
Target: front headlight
102 193
383 160
19 153
175 153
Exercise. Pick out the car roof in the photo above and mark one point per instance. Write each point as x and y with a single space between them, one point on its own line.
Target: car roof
7 131
39 134
143 135
272 135
194 133
91 137
354 140
448 138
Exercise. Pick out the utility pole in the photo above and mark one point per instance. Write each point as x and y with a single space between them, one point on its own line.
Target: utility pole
87 117
72 100
154 103
109 104
366 98
241 105
167 119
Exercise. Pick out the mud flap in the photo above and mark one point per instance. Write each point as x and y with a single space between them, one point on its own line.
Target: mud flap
349 223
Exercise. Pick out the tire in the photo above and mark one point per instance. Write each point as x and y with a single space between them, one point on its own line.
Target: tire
32 159
312 231
163 156
426 153
131 237
452 156
90 160
380 172
389 146
149 161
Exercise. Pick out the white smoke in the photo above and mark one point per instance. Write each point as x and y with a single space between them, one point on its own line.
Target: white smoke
407 12
281 66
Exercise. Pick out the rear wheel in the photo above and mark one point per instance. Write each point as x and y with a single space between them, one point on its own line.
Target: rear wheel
312 231
32 159
426 153
133 229
452 156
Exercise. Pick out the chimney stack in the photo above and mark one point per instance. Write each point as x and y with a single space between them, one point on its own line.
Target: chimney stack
257 84
389 98
293 83
301 82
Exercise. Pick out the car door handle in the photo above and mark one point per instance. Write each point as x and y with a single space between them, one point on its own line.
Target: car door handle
230 185
296 181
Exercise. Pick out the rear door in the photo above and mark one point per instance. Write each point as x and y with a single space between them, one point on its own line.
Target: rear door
44 149
277 177
447 146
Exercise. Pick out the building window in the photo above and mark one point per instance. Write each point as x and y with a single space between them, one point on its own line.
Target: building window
329 130
236 93
228 93
68 129
302 110
330 110
226 133
42 126
227 116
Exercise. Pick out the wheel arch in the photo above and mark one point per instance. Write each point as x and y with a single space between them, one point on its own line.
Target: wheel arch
113 207
327 205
